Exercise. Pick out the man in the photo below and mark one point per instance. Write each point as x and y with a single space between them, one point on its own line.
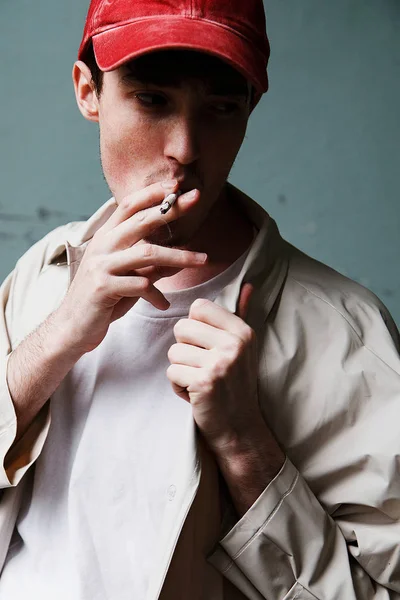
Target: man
223 408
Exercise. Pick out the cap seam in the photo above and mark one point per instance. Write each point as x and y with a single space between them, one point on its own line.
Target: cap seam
220 25
96 14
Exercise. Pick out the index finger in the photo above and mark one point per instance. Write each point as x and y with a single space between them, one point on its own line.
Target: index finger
133 203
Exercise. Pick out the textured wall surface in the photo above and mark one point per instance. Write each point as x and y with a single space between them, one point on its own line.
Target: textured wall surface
322 151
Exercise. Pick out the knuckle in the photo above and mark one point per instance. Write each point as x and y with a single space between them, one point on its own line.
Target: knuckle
219 370
148 251
206 381
140 217
144 284
125 204
100 283
233 345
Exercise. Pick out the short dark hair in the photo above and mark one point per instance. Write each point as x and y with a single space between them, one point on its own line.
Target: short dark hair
155 67
97 74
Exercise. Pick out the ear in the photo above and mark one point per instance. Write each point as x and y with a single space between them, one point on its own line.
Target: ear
85 93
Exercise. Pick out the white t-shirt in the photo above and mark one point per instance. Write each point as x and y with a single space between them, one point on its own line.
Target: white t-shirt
105 489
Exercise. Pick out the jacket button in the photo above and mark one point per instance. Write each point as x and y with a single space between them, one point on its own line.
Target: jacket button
171 492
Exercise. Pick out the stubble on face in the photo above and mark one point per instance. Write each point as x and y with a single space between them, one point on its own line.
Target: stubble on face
128 155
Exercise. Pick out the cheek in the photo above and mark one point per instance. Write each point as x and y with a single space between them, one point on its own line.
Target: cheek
127 147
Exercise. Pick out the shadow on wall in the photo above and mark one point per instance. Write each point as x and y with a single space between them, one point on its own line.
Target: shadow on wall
26 230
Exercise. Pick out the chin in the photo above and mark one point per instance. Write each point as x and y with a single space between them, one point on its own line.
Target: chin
169 236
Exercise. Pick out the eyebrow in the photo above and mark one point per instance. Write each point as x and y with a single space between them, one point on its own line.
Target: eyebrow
214 88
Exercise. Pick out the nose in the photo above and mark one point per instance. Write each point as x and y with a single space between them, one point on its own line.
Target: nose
182 143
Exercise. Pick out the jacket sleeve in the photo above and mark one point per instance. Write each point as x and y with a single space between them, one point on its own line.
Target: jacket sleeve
330 528
15 458
287 547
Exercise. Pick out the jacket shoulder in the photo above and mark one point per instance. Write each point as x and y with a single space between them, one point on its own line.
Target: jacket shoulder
326 283
339 298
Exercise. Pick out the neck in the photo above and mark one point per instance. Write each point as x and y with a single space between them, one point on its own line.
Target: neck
225 235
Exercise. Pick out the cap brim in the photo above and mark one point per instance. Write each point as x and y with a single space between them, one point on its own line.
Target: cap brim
116 46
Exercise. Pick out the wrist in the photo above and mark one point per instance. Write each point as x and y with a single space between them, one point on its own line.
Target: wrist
250 440
252 455
248 464
62 340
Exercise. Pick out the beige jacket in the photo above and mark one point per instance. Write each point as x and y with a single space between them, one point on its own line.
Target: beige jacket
327 527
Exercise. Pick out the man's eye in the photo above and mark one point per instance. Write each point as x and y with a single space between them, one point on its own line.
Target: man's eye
148 99
225 108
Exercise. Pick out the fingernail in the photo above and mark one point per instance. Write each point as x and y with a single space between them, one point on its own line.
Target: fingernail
191 194
201 257
170 183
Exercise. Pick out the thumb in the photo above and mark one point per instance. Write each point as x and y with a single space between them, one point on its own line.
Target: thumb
244 300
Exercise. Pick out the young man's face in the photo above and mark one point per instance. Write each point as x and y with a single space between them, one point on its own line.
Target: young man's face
172 119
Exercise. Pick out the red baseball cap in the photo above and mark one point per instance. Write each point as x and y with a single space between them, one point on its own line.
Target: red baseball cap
232 30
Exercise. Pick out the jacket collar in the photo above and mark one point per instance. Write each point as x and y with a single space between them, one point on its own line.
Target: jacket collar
77 235
265 267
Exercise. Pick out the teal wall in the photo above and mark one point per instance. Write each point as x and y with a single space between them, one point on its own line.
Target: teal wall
322 151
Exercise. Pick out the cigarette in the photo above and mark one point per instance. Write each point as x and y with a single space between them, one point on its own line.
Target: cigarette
169 201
